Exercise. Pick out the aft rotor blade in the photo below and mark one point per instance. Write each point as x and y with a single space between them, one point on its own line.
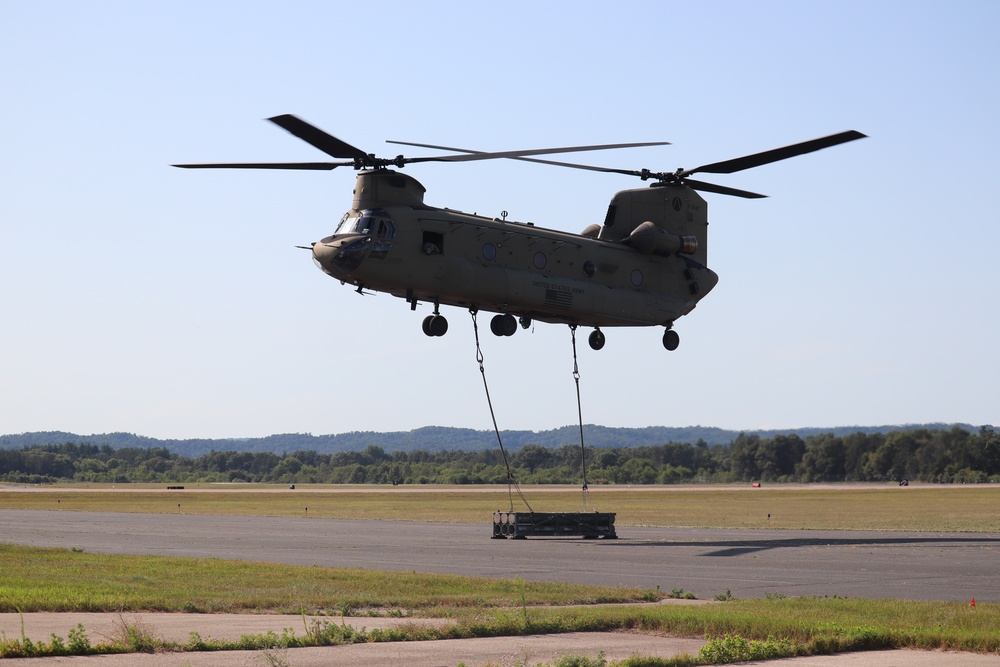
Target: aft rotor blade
316 137
470 155
313 166
774 155
572 165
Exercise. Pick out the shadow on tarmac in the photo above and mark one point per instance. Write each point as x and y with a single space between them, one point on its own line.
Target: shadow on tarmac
746 546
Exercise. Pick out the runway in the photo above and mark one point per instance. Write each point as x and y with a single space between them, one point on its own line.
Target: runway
705 562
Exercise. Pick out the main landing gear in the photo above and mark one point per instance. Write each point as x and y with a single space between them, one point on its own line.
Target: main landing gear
596 339
671 340
506 324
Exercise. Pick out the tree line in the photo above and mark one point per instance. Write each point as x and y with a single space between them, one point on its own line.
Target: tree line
940 456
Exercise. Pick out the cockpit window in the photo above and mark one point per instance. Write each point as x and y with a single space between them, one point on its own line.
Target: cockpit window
346 224
368 221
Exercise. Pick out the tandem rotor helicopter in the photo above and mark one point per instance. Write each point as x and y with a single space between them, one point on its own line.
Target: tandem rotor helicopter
647 265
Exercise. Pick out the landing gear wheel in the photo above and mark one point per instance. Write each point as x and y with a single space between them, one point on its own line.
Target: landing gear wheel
596 339
671 340
503 325
524 321
435 325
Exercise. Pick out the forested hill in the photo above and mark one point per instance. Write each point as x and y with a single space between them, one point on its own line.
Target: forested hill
441 438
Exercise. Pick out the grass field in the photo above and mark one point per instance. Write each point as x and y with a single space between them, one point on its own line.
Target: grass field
34 579
973 508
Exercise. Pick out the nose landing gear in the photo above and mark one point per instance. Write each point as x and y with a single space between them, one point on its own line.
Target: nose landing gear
503 325
436 324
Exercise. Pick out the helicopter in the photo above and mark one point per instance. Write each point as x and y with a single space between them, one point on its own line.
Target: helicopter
647 265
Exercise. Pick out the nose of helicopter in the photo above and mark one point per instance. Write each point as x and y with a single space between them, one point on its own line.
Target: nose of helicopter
324 256
339 257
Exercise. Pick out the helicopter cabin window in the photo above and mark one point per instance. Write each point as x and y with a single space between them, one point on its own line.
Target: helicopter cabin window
384 231
540 260
433 243
489 252
636 277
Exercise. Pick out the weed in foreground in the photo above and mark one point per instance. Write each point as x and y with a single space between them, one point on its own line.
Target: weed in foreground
733 648
277 657
79 644
133 635
582 661
681 594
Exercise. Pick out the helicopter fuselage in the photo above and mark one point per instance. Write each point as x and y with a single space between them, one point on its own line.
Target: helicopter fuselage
390 241
646 266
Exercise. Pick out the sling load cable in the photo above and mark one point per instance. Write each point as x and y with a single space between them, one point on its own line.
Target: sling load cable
579 412
511 482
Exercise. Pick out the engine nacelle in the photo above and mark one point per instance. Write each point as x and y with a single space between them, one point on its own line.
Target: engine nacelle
650 239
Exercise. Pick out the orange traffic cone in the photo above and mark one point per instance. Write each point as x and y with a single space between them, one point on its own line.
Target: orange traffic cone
973 603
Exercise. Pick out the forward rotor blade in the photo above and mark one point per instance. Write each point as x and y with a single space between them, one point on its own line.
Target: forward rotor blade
774 155
316 137
721 189
312 166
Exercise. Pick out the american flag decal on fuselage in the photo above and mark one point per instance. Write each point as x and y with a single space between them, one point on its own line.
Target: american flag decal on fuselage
558 299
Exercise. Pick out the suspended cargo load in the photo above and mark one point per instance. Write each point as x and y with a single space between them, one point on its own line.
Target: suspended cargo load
521 525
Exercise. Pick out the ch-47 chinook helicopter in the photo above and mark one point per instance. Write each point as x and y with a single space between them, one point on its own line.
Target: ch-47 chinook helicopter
646 266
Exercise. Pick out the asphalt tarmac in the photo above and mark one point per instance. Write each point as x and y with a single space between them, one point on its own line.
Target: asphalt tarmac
931 566
705 562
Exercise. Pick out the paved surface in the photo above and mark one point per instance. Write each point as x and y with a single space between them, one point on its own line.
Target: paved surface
934 566
749 563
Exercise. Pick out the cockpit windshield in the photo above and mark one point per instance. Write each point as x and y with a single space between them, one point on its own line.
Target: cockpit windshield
363 222
350 224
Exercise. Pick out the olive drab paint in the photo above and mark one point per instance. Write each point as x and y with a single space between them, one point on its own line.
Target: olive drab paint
647 265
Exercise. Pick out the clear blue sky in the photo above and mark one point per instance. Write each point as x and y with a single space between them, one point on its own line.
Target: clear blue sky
136 297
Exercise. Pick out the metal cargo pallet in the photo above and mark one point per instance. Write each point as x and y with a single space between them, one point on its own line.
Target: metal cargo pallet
521 525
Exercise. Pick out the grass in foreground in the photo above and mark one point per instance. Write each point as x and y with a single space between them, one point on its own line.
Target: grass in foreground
33 579
740 629
971 508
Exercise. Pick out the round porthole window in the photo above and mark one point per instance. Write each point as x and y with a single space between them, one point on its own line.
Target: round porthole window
489 252
540 260
636 277
589 269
